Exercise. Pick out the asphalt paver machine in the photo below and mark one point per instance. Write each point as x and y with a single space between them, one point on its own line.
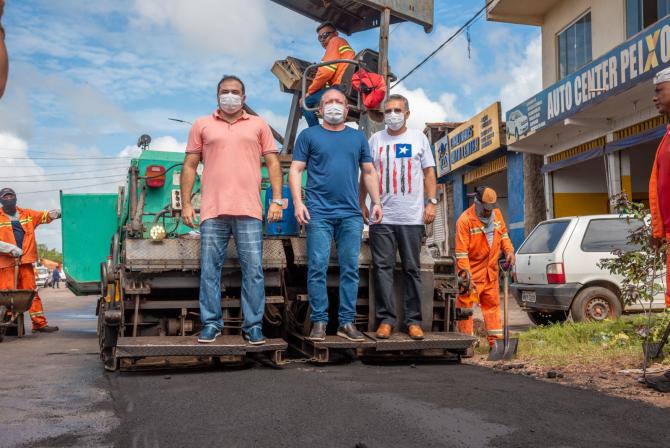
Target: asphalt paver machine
132 251
440 282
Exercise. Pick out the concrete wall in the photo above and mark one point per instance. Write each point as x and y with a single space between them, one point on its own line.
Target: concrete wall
608 29
580 189
641 162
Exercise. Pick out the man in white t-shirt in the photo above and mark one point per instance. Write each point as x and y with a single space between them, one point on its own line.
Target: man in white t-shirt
406 169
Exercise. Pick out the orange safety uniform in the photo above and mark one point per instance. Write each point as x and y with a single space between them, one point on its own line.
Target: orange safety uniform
29 220
474 255
659 229
331 75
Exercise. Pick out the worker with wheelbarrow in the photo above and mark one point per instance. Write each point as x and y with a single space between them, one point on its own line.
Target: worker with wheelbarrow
17 241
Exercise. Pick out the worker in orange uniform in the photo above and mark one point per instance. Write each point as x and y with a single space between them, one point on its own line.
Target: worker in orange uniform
480 235
327 76
659 183
17 241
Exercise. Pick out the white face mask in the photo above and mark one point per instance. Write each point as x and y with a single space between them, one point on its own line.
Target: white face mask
395 121
230 103
333 113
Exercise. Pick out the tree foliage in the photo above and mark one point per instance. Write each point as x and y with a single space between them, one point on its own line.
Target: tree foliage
50 254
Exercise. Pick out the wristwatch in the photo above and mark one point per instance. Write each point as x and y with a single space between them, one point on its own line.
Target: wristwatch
279 202
432 201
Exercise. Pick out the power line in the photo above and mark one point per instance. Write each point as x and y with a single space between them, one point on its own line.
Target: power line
103 170
65 158
69 188
59 180
60 165
449 39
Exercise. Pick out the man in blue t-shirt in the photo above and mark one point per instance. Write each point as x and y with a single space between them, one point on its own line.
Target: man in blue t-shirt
333 154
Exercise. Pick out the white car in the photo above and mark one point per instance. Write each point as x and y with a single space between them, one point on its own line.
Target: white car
517 124
557 273
41 276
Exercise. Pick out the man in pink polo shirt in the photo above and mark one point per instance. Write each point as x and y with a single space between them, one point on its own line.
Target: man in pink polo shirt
230 144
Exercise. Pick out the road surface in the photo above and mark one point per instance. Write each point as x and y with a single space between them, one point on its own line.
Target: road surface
54 393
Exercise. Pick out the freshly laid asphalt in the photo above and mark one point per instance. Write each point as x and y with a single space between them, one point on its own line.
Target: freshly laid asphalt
54 392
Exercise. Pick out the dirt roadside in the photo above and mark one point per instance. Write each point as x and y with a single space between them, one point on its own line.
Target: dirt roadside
608 378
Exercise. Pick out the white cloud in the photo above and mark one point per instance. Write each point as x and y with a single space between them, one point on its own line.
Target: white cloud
232 27
424 109
37 182
166 143
525 77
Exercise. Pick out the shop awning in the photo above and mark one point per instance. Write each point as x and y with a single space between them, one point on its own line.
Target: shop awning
629 142
579 158
597 98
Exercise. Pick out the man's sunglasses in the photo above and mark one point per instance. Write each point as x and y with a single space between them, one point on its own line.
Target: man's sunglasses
323 36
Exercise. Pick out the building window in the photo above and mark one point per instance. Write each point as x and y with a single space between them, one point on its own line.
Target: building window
642 13
574 46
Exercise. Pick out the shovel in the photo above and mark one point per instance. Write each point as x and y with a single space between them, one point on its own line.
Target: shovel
505 348
652 350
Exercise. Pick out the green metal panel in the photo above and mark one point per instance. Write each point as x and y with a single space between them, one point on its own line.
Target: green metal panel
89 222
158 198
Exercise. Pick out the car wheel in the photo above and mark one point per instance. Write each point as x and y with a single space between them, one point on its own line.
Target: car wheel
595 303
541 318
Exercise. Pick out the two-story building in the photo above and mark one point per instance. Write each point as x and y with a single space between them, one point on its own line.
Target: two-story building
594 123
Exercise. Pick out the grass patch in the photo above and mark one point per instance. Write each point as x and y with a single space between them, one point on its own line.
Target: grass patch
592 343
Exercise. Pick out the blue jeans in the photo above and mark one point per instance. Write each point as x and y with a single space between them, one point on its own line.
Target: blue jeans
311 101
320 233
215 234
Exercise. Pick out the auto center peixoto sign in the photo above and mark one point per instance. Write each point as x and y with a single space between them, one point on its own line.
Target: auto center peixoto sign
473 139
636 60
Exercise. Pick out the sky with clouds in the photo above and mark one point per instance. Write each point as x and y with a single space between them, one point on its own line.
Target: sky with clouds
87 78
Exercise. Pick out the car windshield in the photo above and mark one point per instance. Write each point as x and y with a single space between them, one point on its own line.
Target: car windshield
41 271
545 238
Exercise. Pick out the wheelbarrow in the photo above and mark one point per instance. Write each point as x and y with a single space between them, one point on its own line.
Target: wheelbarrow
13 303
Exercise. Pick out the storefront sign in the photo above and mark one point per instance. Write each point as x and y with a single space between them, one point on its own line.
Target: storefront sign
476 137
442 156
634 61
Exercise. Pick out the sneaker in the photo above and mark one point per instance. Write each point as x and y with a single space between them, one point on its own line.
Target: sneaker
209 334
255 336
45 329
350 332
318 332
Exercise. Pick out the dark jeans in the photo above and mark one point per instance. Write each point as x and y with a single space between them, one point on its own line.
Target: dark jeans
385 241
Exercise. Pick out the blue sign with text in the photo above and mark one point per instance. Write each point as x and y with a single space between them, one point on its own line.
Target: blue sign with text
636 60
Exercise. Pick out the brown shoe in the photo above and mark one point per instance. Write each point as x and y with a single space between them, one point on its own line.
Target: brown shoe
415 332
384 331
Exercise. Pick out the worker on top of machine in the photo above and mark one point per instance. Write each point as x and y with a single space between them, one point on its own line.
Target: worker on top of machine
17 241
404 163
481 234
230 143
327 76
